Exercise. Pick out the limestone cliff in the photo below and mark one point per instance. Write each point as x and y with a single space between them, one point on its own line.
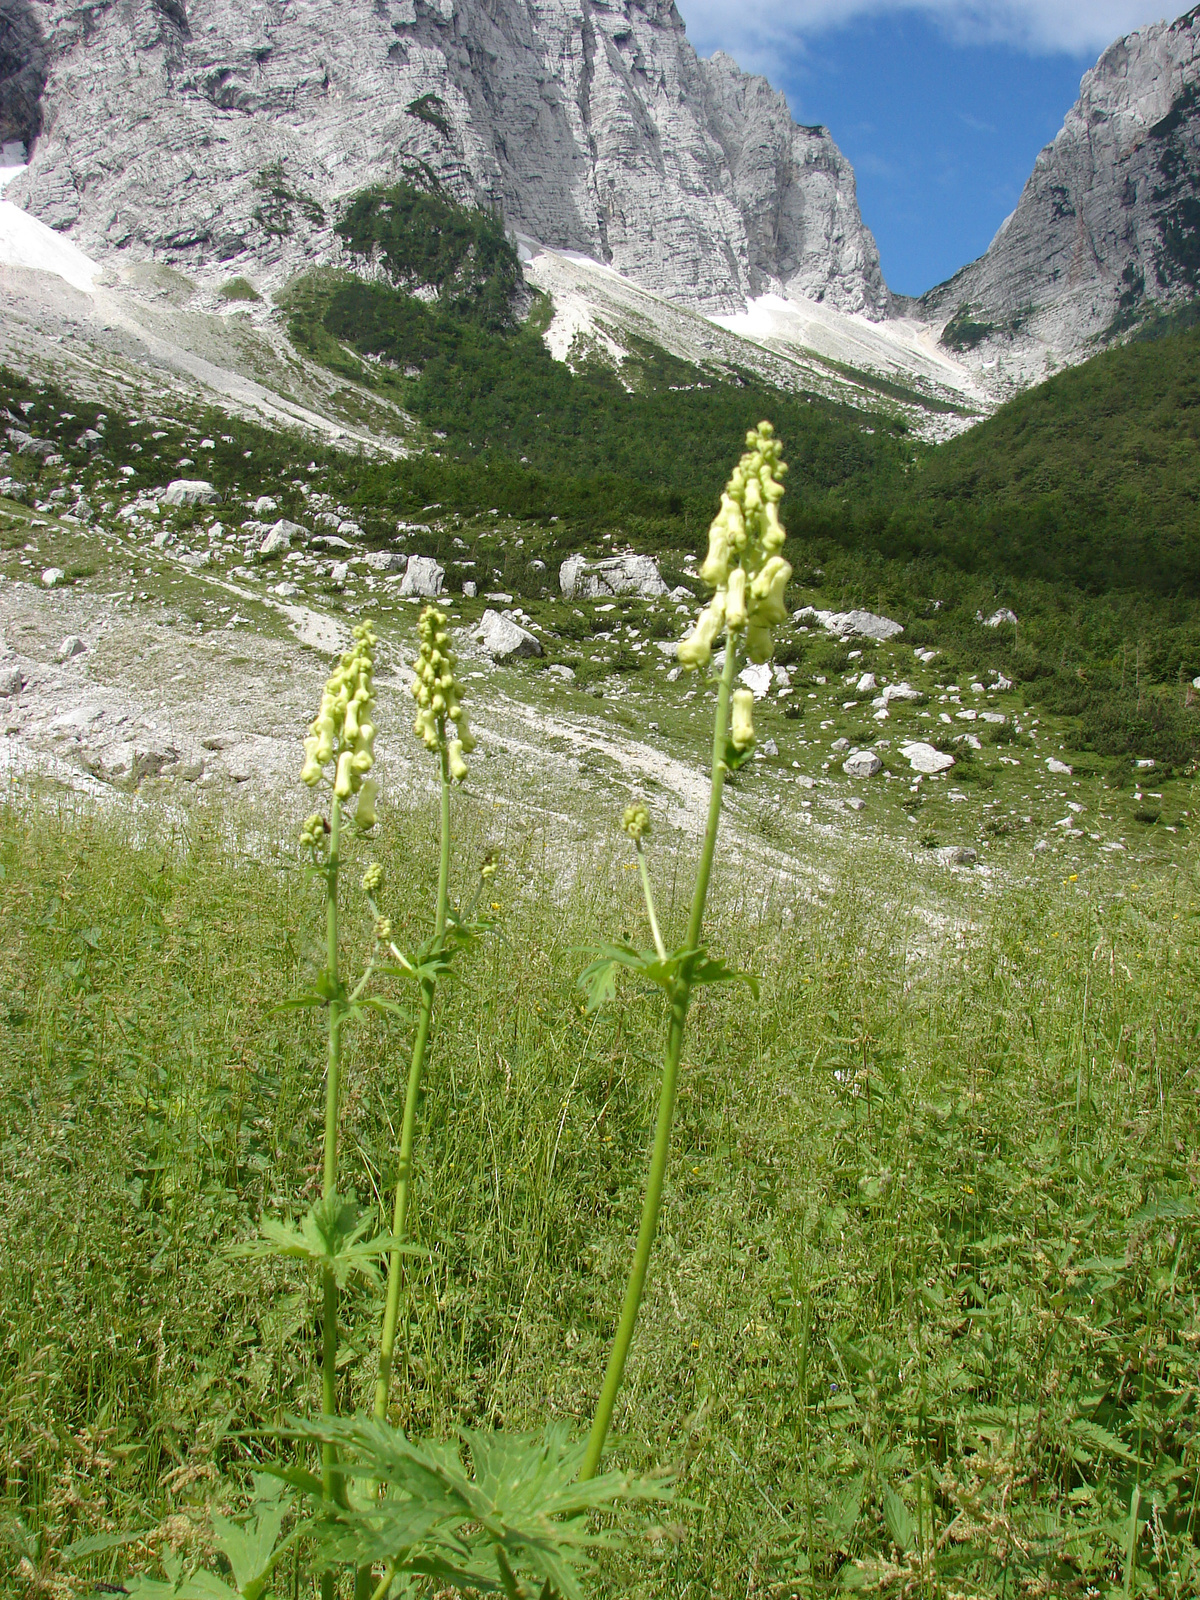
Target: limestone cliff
1108 226
222 134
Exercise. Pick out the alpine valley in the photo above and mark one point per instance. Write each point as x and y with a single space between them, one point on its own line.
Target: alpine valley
317 311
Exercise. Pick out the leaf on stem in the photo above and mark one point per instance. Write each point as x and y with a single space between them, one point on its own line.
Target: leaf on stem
599 979
330 1237
519 1506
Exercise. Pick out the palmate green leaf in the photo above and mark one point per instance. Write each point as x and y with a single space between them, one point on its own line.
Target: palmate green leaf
329 1237
520 1502
599 980
250 1545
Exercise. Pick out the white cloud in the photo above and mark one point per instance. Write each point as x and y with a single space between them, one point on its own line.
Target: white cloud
752 30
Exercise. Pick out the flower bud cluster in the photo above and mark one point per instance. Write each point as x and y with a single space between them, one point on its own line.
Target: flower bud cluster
636 822
343 733
439 696
744 564
314 831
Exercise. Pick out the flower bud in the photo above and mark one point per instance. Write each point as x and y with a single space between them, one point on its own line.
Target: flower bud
636 821
343 783
372 879
695 650
364 811
741 732
454 756
735 603
383 929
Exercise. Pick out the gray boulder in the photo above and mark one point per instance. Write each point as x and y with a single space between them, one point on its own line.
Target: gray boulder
190 492
386 560
924 758
862 764
71 647
504 639
279 538
580 579
850 624
11 681
52 577
423 576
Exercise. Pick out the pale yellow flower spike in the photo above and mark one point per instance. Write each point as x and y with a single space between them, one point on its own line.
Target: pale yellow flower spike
342 732
441 722
743 563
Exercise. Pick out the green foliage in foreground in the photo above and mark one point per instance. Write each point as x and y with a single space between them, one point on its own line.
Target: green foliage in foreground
926 1317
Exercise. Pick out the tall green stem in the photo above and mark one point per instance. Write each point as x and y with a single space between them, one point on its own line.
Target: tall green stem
329 1334
391 1315
680 1002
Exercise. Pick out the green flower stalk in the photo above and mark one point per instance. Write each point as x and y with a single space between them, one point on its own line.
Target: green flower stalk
338 752
749 577
441 725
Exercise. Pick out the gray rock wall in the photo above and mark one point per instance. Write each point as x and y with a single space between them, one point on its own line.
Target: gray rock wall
1109 222
222 132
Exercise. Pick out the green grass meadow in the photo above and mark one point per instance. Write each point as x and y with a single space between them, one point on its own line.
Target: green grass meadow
923 1315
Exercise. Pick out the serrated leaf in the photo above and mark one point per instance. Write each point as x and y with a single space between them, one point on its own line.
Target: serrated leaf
899 1523
599 982
330 1237
299 1002
97 1543
711 969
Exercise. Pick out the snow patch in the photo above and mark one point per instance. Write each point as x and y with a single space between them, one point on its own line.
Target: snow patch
26 242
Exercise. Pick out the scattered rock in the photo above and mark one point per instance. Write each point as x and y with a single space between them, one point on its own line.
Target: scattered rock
1145 764
11 681
470 589
756 678
998 618
196 558
840 744
851 624
339 574
71 647
387 561
191 492
163 538
855 804
1053 764
997 717
422 576
52 577
332 542
923 757
503 638
862 764
264 504
350 530
768 748
567 674
279 538
866 683
900 691
958 855
580 579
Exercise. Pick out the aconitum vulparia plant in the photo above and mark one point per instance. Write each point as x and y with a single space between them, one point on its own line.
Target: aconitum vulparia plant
749 577
491 1513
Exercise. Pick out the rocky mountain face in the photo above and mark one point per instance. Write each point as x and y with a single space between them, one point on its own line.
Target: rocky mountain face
1108 226
222 135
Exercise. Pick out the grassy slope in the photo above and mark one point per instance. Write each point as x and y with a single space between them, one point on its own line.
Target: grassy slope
927 1277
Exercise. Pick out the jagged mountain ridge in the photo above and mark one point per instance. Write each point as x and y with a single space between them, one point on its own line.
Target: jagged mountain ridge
206 133
1108 226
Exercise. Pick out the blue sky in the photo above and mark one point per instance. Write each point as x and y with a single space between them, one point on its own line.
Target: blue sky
941 106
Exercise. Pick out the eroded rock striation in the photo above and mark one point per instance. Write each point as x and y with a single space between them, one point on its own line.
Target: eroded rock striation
210 133
1108 225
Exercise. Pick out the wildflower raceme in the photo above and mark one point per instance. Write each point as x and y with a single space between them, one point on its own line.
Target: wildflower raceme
343 734
439 696
746 569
